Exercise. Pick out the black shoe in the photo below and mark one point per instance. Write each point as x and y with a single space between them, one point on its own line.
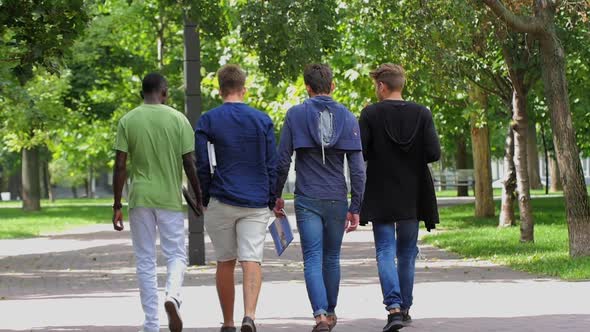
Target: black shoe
406 318
394 322
248 325
172 307
227 329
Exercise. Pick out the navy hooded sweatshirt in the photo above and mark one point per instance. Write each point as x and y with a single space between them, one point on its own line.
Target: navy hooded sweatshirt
322 132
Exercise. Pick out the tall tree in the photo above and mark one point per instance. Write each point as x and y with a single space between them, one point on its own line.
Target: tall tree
519 59
38 34
543 27
482 159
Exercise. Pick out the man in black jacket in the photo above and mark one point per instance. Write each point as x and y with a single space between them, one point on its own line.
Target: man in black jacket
399 140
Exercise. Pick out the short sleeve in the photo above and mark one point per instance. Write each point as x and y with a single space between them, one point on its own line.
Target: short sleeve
187 137
121 140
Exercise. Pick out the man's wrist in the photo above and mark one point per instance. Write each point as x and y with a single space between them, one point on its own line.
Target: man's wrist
117 206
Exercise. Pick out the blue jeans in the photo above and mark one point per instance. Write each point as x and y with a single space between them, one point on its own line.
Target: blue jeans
396 240
321 228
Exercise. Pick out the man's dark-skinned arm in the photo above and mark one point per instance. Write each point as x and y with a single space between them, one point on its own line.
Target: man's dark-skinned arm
189 164
119 178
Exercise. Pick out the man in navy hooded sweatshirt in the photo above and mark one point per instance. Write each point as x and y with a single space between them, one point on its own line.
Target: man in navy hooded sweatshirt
322 132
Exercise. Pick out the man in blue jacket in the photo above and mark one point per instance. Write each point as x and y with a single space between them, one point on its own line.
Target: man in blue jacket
322 132
237 168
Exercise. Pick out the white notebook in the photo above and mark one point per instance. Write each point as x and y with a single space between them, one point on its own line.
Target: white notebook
212 157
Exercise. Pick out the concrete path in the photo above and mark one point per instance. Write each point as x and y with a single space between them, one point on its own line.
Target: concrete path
84 280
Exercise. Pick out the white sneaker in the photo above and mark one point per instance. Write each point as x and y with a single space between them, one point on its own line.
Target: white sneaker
173 311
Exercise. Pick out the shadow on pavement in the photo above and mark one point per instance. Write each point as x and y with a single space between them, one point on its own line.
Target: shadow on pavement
110 268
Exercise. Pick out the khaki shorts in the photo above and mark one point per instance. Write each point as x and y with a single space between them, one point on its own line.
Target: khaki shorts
236 232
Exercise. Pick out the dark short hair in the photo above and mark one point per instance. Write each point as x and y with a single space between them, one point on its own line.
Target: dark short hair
231 79
318 77
153 83
393 76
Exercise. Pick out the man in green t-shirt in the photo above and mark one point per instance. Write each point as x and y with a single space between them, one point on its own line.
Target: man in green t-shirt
159 142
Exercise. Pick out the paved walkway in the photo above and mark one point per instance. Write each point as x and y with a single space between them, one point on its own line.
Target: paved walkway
84 280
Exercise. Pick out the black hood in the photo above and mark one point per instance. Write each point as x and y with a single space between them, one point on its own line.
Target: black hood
402 123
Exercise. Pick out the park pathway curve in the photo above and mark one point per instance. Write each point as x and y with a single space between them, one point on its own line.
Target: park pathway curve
84 280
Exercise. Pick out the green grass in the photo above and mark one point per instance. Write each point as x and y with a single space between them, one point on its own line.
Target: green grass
497 192
54 217
481 238
453 193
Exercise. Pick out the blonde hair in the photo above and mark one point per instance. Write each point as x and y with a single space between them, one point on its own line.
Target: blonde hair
392 75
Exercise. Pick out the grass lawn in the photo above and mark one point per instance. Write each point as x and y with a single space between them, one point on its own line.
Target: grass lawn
453 193
54 217
481 238
497 192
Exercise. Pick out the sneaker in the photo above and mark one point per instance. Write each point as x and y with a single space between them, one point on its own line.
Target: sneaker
406 318
173 311
248 325
321 327
394 322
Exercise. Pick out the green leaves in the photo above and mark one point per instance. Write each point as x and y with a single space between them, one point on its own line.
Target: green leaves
40 32
286 35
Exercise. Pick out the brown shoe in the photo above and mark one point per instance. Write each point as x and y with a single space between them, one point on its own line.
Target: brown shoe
332 321
321 327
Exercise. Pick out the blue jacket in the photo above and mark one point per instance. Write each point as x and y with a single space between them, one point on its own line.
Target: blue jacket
322 132
245 151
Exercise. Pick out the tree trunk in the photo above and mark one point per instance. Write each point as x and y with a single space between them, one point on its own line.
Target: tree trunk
45 179
443 177
50 192
521 126
564 138
74 191
507 217
193 104
87 187
546 155
461 161
160 41
554 175
482 159
2 179
15 185
534 168
91 183
31 182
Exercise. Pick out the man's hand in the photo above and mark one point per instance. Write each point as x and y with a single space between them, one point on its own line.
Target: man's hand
279 208
352 222
118 220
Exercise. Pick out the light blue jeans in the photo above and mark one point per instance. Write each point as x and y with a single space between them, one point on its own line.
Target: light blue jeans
321 228
396 240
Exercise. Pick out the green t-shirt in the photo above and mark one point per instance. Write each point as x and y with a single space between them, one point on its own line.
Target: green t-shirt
155 138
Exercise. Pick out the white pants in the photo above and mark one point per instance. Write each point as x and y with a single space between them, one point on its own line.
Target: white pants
170 224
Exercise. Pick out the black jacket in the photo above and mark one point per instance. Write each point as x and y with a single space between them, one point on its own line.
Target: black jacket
399 140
